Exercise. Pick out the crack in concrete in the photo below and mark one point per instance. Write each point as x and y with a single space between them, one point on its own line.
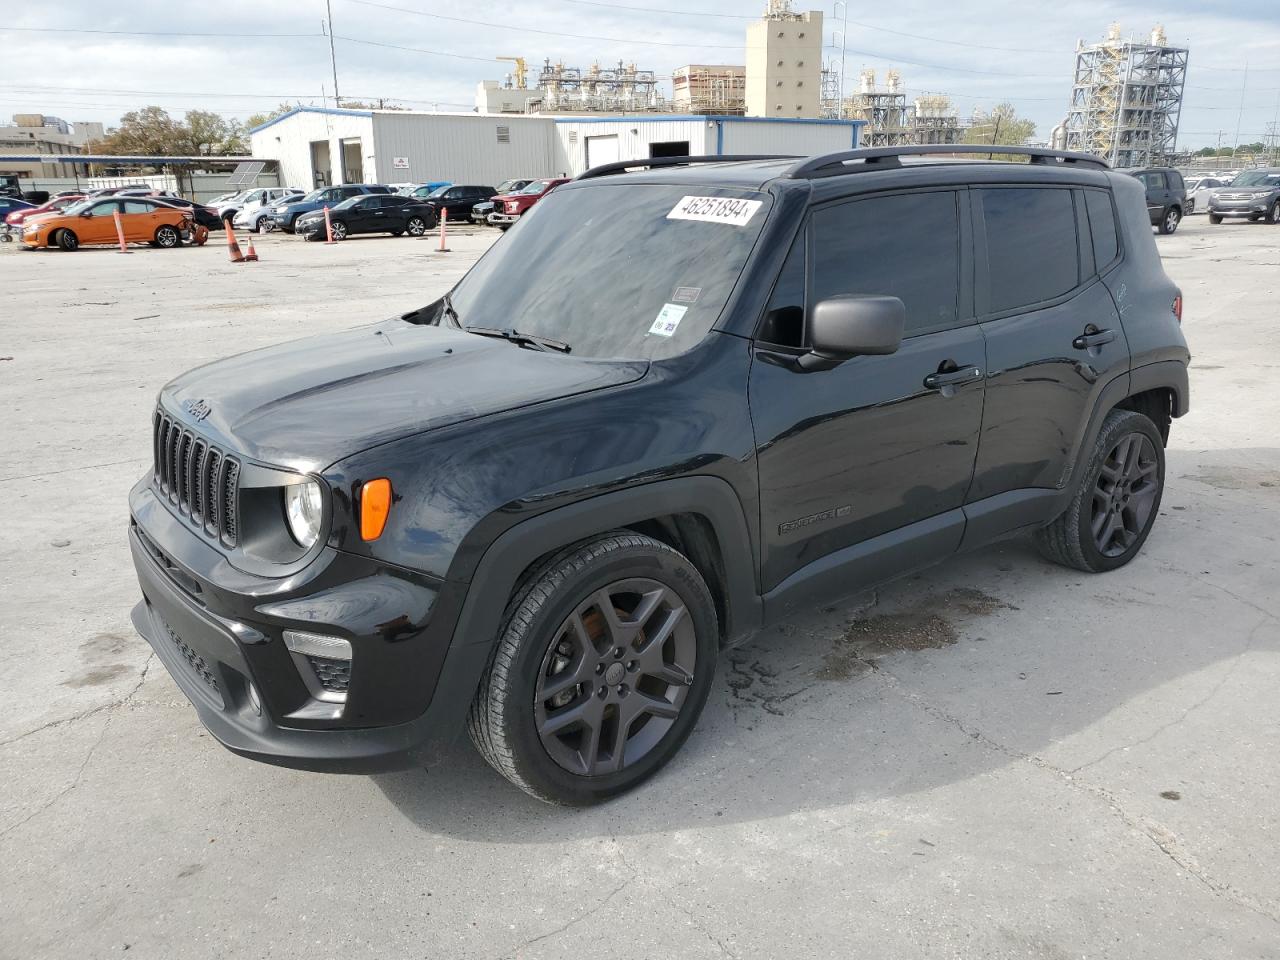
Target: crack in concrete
1164 840
1217 688
694 921
570 924
92 711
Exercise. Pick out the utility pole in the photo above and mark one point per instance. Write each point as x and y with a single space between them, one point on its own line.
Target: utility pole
1244 84
841 9
333 57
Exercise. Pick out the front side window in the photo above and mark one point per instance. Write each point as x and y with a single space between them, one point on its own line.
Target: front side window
104 208
905 246
1031 245
616 270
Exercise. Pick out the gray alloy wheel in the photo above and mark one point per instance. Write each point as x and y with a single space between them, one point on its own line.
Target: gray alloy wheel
267 224
1116 501
606 658
339 230
1172 217
416 226
67 240
1273 215
167 237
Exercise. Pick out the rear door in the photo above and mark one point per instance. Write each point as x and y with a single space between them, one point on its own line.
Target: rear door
879 443
1054 338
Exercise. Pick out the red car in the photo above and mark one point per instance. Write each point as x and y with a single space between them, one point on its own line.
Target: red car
56 205
510 207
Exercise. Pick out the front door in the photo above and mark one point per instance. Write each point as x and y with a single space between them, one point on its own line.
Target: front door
100 224
879 446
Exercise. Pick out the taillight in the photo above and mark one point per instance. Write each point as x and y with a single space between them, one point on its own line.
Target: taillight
1177 307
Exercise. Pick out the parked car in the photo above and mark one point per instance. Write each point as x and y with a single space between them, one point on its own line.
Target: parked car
205 216
1198 189
15 218
12 212
1253 195
249 208
457 200
424 190
132 189
480 212
510 207
1166 195
541 505
370 214
285 213
92 221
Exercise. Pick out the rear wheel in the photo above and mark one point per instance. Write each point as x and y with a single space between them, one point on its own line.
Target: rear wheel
167 237
604 664
68 241
1273 215
1172 217
1116 502
1214 218
416 226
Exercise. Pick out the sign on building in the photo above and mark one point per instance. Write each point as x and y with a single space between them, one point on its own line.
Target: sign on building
400 163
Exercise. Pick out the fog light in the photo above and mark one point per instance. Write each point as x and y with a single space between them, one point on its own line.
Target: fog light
324 663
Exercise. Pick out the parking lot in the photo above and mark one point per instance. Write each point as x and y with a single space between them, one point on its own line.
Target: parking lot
995 758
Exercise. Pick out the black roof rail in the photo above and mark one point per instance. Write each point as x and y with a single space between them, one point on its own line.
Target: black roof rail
883 158
605 169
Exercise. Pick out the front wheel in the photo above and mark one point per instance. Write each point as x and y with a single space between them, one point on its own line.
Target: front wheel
1273 215
605 661
416 226
68 241
1214 218
167 237
1191 206
1116 502
1172 217
339 230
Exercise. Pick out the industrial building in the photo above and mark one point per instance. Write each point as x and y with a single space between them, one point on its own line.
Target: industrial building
1126 99
36 133
313 146
709 88
784 63
891 121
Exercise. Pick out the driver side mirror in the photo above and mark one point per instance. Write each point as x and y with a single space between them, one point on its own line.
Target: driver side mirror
87 214
844 327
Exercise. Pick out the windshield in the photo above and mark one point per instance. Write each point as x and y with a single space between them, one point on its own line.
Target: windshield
606 270
350 202
80 205
1257 178
438 191
310 197
538 186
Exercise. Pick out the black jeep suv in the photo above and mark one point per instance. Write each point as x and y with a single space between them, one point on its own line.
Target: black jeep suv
669 408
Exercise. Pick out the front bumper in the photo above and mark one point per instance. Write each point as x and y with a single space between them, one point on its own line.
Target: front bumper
304 228
1240 208
218 631
500 218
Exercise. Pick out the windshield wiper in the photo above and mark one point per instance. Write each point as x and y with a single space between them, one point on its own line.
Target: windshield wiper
522 339
448 312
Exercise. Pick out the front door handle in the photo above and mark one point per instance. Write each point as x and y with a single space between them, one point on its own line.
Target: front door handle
952 378
1093 337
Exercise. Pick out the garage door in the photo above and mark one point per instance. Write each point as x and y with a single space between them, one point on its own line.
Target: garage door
602 150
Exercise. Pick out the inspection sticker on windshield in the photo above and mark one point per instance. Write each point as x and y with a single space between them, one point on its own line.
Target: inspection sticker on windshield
668 319
730 210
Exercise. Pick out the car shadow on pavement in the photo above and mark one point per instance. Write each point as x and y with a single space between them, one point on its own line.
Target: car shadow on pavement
990 659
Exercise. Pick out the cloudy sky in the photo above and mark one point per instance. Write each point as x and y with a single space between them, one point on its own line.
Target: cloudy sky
75 60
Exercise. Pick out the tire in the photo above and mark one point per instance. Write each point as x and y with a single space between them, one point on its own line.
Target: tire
1191 206
167 237
1214 218
339 230
575 746
267 225
1169 222
417 227
1113 489
1273 215
68 241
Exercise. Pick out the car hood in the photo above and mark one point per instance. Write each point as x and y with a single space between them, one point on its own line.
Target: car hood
312 402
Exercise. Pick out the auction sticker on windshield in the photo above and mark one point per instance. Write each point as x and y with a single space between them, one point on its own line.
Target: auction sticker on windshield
731 210
668 319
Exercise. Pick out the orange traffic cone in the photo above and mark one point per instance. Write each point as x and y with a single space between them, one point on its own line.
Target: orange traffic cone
250 254
233 248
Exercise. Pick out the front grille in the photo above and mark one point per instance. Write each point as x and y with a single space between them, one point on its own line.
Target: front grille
334 675
196 662
197 478
1234 197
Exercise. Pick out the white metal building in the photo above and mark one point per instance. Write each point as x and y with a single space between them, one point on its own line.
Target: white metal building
315 146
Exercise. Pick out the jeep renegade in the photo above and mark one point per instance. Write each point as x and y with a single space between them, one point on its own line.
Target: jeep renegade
668 409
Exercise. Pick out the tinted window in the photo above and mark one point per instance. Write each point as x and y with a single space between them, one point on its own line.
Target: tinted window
1102 224
1031 245
1152 180
905 246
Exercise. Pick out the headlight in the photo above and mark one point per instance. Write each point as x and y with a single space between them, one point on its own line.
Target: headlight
303 508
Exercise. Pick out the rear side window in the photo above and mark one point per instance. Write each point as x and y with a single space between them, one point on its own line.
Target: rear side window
1152 180
905 246
138 206
1102 225
1031 245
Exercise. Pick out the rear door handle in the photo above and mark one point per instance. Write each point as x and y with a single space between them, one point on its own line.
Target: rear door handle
952 378
1094 338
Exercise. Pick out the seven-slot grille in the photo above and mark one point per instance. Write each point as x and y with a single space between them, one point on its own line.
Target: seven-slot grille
198 478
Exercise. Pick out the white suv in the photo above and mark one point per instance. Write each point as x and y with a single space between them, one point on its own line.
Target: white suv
249 209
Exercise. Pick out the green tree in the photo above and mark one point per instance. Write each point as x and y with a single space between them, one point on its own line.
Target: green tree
258 119
151 132
1001 126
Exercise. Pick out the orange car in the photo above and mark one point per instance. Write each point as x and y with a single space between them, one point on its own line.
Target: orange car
93 221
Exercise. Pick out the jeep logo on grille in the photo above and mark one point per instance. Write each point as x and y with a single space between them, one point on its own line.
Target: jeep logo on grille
199 409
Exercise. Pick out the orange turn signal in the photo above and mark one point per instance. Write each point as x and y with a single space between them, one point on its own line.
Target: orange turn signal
375 505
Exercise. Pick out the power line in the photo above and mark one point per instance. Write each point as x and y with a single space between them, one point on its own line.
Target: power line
161 33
